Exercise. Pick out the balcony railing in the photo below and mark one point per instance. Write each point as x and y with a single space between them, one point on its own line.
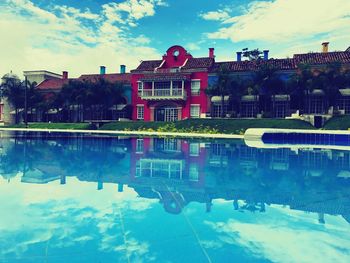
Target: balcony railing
164 93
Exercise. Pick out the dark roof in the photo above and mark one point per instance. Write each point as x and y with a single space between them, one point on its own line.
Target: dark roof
348 49
149 65
115 77
323 58
52 84
281 64
194 63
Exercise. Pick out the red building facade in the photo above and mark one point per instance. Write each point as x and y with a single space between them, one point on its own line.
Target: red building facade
172 88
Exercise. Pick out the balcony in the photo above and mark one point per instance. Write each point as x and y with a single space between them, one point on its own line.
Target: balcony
163 94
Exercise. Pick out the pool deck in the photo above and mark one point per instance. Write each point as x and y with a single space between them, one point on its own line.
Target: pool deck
135 133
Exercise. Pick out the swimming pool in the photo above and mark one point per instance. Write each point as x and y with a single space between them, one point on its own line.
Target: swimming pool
83 198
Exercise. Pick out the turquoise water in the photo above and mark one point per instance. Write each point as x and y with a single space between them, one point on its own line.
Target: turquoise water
67 198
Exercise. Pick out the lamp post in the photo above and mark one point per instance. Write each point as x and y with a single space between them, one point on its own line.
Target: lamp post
25 102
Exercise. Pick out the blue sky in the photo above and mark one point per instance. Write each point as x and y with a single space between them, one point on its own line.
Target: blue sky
79 36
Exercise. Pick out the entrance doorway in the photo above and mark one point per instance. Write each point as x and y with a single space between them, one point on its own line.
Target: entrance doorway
166 114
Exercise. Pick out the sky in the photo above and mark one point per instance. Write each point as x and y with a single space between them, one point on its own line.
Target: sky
80 36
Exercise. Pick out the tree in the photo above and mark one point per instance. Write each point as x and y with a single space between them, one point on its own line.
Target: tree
94 96
13 89
254 54
222 88
330 80
301 84
268 84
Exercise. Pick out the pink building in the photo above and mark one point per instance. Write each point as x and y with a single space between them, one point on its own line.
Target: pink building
172 88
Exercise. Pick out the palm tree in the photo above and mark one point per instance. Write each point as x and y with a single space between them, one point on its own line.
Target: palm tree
222 87
13 90
330 80
301 84
268 84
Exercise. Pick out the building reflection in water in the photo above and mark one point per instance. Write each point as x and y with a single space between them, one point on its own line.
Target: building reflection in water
177 172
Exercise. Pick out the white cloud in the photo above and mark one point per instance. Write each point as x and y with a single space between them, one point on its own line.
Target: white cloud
193 46
67 38
288 236
219 15
286 20
130 11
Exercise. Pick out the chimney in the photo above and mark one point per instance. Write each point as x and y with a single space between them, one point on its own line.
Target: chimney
239 56
266 55
325 47
211 52
102 70
122 69
64 74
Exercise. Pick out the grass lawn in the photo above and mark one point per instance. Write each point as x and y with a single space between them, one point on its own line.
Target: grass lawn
231 126
46 125
338 123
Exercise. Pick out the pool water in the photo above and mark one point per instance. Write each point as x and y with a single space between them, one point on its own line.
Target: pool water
84 198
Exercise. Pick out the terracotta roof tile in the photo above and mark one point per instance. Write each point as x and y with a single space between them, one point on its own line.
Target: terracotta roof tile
323 58
194 63
149 65
281 64
52 84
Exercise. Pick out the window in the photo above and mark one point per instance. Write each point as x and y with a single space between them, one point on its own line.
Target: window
193 172
194 149
195 111
195 87
139 88
139 146
140 112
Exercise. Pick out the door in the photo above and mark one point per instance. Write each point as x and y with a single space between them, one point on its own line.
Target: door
166 114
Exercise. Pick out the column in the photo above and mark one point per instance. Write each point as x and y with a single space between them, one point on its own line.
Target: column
179 113
171 88
152 88
183 88
151 117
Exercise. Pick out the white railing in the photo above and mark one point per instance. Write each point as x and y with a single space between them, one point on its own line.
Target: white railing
163 93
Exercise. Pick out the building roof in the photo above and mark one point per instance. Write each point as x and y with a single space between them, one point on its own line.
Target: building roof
194 63
114 77
282 64
348 49
149 65
323 58
52 84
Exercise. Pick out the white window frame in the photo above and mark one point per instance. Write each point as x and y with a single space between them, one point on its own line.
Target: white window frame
194 149
195 92
193 173
139 145
198 108
140 88
140 114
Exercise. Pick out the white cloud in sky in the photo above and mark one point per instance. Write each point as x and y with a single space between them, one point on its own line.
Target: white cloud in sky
67 38
282 21
289 236
219 15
